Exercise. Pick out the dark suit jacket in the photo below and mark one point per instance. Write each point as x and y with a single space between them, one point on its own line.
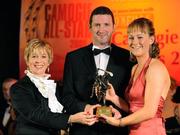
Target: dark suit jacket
172 126
33 114
79 76
9 128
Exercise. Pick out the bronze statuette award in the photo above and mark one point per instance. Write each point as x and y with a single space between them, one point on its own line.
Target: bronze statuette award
99 89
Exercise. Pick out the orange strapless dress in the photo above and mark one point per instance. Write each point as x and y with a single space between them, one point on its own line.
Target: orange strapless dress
135 96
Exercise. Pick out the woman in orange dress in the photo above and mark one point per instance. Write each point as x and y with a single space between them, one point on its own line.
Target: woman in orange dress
148 86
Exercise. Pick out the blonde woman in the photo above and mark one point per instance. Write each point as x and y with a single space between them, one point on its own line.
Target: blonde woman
36 98
148 86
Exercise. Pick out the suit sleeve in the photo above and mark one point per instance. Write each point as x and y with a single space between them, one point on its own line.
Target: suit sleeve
69 98
34 110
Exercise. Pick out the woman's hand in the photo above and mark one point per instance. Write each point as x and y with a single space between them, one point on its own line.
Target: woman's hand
118 101
83 118
116 113
110 93
111 120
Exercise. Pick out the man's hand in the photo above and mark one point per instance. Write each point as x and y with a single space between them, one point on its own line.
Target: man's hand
83 118
90 108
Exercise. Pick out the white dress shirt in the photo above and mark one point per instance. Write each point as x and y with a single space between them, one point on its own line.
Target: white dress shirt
101 60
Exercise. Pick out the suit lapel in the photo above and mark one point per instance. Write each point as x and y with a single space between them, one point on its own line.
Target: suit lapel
89 60
111 59
31 86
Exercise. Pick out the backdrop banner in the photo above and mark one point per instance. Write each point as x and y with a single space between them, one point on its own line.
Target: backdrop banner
64 24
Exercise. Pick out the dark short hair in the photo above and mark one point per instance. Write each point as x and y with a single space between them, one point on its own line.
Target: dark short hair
101 10
176 96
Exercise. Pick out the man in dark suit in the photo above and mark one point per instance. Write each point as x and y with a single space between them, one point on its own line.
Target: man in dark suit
80 71
9 117
172 124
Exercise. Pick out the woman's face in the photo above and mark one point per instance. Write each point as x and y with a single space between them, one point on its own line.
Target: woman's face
38 62
139 43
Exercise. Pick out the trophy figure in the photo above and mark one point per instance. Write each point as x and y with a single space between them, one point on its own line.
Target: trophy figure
99 89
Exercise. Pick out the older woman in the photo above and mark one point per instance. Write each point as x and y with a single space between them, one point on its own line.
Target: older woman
148 86
35 97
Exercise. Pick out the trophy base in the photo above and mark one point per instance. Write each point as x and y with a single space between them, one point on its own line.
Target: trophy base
104 110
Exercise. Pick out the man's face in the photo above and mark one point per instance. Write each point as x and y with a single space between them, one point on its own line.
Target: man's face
102 28
6 89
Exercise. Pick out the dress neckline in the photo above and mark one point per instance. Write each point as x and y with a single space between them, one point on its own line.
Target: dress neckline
133 81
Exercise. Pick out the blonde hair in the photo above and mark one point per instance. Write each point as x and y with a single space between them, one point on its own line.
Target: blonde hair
145 26
34 44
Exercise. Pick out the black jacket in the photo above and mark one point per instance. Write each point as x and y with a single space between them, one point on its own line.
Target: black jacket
33 114
79 76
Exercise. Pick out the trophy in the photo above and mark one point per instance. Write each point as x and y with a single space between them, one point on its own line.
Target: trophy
99 89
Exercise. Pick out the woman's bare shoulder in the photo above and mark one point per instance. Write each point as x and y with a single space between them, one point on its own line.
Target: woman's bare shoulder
157 66
157 69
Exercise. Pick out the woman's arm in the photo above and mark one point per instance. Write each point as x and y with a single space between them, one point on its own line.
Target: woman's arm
118 101
36 111
157 85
